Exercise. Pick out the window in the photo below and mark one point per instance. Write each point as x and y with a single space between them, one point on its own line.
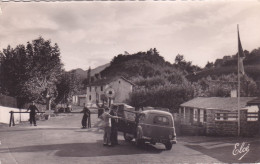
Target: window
97 96
218 116
119 81
142 118
90 89
89 97
101 88
195 114
225 116
201 115
205 116
162 120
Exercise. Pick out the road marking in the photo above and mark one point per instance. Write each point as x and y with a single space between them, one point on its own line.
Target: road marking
213 145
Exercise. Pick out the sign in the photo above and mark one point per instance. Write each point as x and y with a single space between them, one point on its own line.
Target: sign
110 93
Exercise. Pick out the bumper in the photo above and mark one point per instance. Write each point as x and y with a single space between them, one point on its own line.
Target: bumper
173 141
164 141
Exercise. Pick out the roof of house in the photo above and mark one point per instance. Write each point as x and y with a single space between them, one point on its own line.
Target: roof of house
255 101
221 103
105 81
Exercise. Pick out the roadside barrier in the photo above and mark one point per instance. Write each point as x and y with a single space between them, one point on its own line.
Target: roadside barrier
48 112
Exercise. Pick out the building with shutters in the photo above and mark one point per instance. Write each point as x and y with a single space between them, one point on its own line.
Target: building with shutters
121 87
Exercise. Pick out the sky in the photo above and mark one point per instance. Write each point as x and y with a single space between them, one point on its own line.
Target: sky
91 33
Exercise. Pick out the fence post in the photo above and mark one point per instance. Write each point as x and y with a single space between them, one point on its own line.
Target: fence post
11 118
20 110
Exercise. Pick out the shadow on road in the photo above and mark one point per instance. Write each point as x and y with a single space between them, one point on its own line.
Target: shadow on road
86 149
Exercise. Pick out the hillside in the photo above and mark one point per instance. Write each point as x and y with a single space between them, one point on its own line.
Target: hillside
228 65
252 71
84 74
141 64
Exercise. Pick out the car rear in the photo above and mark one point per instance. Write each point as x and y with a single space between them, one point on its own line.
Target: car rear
159 128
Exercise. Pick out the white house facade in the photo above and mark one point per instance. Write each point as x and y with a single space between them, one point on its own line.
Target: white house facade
119 85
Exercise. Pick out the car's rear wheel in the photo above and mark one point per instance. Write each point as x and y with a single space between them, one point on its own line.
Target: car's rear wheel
168 146
128 138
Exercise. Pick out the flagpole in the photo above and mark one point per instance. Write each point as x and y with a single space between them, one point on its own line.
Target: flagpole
238 88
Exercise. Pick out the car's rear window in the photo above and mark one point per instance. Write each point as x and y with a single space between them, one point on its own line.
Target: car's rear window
161 120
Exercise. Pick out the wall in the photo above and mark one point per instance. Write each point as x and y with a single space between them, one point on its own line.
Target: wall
122 89
248 128
218 127
230 128
5 115
95 94
75 100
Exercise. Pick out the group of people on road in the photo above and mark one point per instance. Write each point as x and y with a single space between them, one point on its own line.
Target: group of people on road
108 116
110 121
110 127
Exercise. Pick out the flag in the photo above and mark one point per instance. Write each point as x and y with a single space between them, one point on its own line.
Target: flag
241 55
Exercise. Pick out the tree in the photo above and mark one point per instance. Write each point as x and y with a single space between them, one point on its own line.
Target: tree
209 65
69 85
89 76
185 66
31 73
222 85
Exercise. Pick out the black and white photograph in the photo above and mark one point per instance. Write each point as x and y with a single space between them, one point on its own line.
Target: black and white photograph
129 82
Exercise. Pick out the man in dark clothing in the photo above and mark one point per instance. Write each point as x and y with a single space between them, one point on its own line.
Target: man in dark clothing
85 118
114 128
32 109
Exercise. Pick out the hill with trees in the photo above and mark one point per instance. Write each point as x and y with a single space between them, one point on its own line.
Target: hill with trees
228 65
158 82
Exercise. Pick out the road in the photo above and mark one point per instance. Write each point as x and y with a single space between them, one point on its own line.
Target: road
61 140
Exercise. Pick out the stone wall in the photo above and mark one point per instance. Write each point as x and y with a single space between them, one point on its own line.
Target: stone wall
218 127
248 128
226 128
210 126
230 128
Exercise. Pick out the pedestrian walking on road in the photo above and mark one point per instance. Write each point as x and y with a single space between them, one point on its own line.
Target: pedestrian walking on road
106 117
86 113
33 110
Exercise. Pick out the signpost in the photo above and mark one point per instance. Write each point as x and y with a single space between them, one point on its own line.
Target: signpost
110 93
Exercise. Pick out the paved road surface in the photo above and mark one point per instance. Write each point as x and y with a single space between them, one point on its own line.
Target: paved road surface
61 140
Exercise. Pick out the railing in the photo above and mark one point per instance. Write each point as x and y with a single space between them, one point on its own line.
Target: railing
226 116
252 116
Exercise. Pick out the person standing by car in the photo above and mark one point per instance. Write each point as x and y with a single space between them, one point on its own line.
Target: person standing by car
85 117
33 110
106 117
114 122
